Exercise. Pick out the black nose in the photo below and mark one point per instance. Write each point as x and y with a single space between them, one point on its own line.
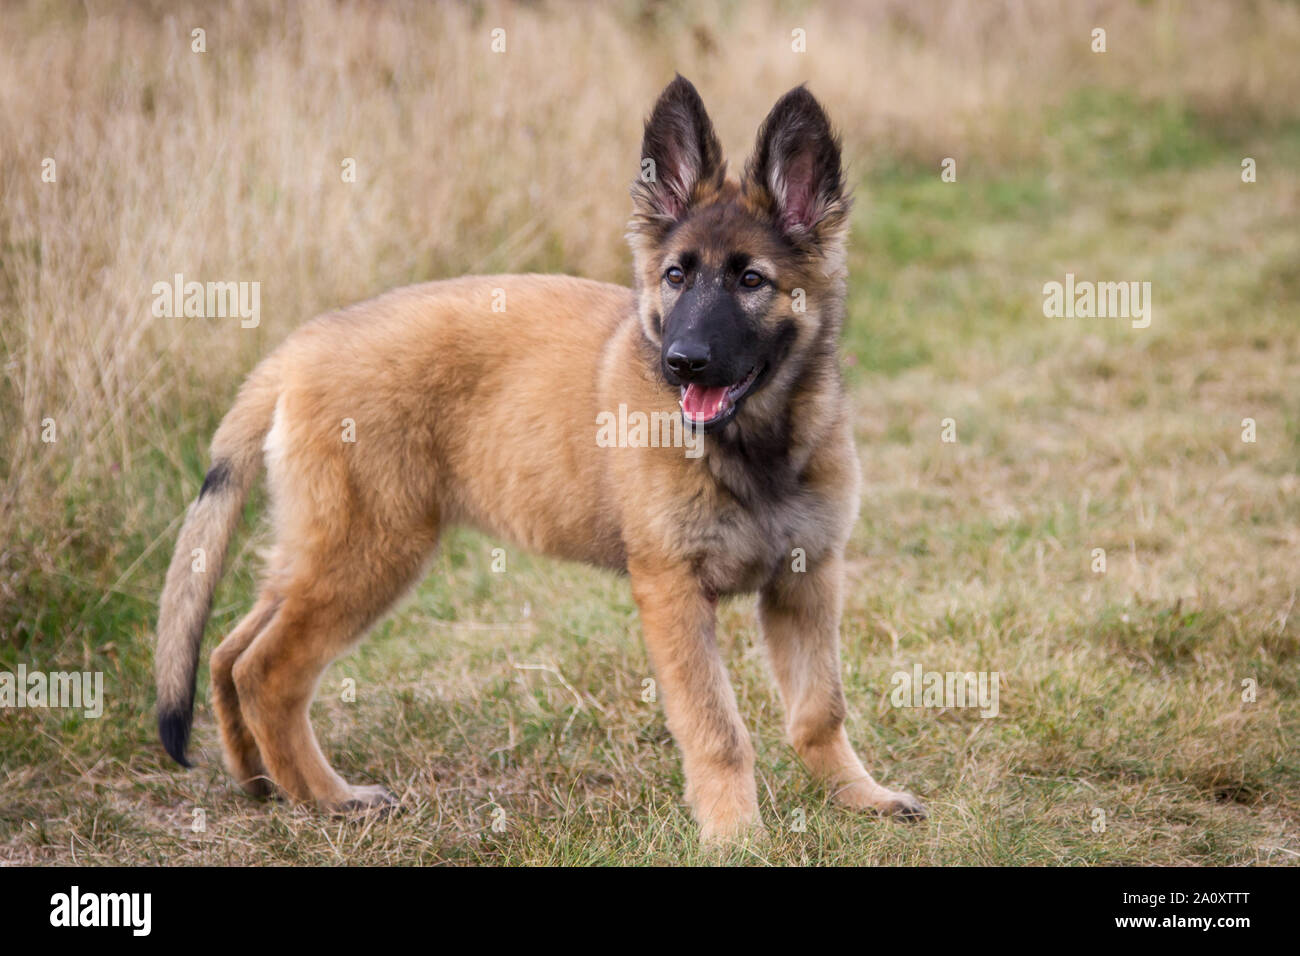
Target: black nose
687 358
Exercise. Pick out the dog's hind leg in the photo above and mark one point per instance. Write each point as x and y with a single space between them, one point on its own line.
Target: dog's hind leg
800 617
354 526
276 677
243 759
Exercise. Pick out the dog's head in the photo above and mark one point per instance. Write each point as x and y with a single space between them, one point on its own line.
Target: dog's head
740 284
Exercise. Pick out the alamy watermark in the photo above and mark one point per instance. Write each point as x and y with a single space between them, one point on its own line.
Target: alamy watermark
76 690
211 300
648 430
132 911
1098 300
950 689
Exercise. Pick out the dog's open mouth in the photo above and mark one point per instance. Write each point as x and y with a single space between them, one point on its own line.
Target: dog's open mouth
711 407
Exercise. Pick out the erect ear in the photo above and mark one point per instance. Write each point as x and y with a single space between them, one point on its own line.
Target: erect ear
794 173
681 159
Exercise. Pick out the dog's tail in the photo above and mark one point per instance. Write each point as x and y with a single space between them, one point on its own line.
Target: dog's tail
201 551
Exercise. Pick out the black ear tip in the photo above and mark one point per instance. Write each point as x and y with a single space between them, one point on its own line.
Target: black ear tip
800 99
680 88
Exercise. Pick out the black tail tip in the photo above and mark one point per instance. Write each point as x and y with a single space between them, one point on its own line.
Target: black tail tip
174 729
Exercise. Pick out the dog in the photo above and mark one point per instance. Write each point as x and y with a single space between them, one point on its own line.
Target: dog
470 402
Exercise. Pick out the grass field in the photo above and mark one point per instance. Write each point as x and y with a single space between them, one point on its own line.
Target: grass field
516 697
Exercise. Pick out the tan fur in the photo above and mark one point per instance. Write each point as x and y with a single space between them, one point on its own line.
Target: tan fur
469 416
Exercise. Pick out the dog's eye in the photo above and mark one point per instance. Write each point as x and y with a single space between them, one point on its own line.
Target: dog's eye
675 275
752 280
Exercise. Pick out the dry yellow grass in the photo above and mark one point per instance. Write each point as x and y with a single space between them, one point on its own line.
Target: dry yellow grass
226 164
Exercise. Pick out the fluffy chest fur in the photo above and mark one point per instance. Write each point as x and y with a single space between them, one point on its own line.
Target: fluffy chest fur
739 531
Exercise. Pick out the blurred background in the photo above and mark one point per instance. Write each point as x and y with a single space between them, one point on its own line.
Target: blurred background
1122 689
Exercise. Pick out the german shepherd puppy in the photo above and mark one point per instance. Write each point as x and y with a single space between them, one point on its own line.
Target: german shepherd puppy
473 402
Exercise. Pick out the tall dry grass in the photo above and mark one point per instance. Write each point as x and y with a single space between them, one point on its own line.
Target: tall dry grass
226 165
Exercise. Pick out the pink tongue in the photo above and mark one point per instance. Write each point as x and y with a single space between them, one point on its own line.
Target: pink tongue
701 403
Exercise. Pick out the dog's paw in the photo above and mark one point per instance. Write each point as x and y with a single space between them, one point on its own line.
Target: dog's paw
366 800
719 835
725 806
905 807
874 798
259 786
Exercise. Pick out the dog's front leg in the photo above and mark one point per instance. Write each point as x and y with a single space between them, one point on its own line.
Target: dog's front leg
800 616
717 754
